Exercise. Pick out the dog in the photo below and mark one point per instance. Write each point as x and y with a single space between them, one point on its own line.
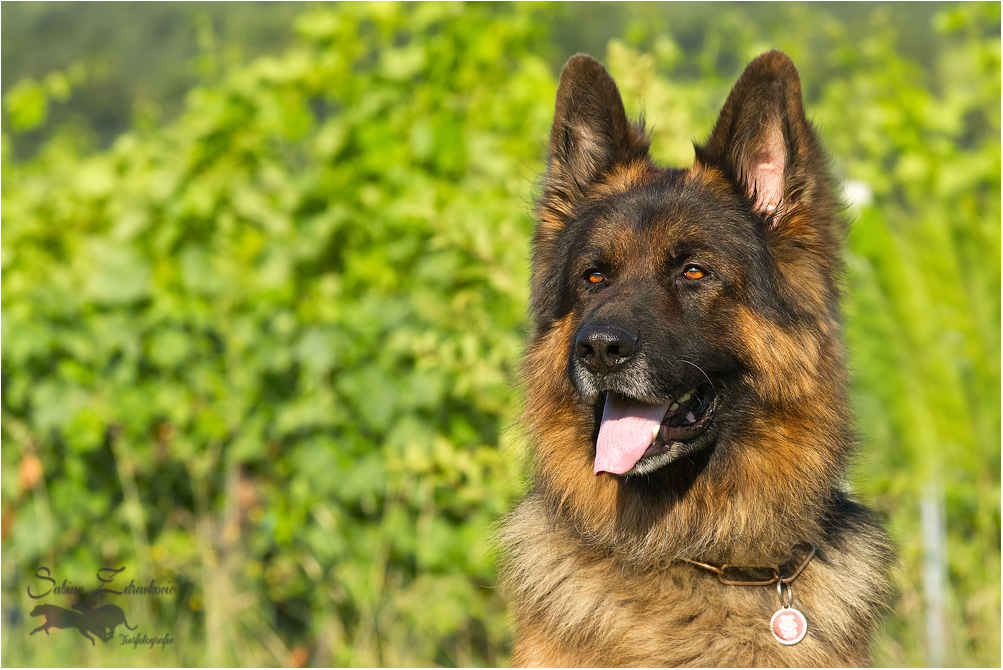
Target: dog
58 617
104 619
686 397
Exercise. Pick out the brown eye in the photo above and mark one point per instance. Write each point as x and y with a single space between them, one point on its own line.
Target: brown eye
693 272
594 276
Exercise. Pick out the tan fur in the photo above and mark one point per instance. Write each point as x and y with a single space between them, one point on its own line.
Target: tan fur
623 178
676 613
597 565
792 364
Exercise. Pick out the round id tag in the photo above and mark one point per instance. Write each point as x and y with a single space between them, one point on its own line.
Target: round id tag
788 625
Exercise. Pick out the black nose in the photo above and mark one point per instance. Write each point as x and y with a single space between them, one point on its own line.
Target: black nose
605 348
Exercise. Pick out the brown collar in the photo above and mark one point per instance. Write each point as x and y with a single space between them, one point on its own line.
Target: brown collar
735 570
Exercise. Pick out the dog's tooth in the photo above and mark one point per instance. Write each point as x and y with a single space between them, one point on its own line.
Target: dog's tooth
683 398
654 432
673 407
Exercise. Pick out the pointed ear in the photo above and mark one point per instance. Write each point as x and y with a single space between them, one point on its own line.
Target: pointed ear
765 145
590 135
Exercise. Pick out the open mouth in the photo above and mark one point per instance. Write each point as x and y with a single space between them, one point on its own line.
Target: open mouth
637 437
686 417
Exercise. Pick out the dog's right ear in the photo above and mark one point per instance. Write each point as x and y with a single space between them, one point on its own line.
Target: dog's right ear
591 135
766 147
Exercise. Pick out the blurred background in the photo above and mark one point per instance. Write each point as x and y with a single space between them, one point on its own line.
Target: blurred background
264 282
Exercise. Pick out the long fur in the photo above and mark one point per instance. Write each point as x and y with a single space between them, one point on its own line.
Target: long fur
595 563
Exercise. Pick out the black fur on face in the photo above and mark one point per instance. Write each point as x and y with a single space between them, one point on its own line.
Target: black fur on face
766 189
642 242
656 267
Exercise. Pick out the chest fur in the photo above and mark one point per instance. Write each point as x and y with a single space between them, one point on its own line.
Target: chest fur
577 606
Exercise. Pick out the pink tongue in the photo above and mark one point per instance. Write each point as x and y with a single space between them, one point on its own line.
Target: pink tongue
625 433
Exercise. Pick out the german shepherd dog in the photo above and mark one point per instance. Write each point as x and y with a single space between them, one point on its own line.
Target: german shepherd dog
686 397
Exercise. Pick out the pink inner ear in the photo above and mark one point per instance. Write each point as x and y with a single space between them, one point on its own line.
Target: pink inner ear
766 172
768 186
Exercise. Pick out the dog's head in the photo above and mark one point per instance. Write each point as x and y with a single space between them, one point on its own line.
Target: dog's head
685 320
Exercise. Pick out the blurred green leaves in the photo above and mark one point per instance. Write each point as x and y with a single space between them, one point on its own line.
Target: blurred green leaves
27 102
292 310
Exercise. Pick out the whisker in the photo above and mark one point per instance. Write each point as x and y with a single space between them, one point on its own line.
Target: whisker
681 360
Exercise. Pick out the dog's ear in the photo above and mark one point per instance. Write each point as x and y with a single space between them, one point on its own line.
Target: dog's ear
591 134
764 144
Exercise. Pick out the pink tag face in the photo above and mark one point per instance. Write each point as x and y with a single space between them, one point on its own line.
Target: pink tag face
788 625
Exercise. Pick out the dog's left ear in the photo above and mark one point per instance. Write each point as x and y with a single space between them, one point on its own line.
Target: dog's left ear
764 144
590 136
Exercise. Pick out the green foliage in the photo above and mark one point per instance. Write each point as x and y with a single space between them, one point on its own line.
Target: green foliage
269 351
27 102
925 282
291 321
140 59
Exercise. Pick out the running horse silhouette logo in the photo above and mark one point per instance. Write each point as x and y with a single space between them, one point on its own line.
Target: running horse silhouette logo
101 621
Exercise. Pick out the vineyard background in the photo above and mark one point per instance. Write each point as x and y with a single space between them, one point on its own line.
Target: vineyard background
264 279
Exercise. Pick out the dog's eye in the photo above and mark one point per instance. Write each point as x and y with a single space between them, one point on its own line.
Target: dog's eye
694 272
593 276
